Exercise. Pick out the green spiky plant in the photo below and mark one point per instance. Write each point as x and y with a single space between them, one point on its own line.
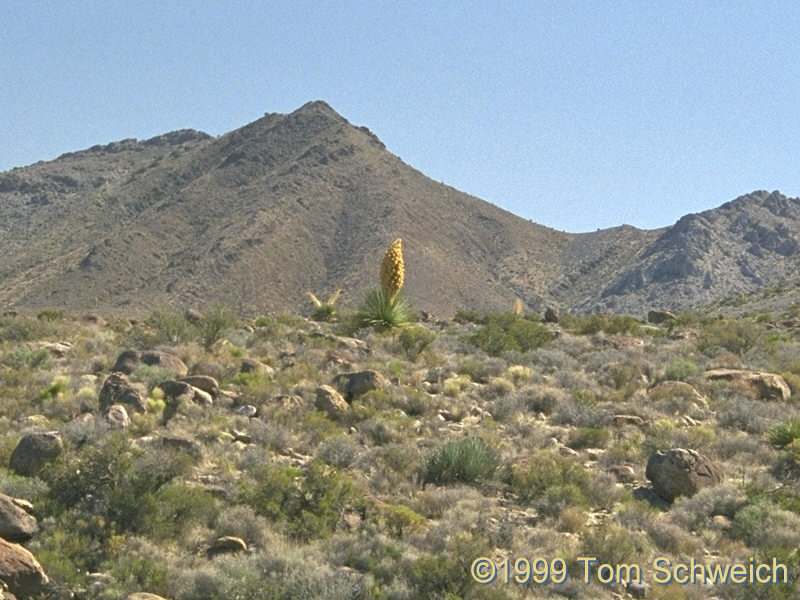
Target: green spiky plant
325 311
386 307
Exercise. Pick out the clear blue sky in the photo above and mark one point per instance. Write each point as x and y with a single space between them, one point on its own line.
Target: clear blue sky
574 114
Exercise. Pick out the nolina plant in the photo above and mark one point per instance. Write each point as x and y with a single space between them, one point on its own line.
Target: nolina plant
324 311
386 306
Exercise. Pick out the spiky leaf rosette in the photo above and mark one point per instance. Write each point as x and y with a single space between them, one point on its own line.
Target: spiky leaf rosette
380 310
393 269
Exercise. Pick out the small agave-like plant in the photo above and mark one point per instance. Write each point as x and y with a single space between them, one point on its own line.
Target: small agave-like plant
386 306
324 311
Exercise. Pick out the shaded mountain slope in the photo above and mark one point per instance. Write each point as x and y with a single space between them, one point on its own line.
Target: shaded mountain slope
309 202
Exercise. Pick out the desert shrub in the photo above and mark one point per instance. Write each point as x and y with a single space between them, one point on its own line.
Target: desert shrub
742 413
784 433
543 399
179 506
695 512
140 564
113 480
23 329
615 545
681 369
734 335
464 460
414 340
50 314
163 326
505 332
19 358
397 519
588 437
339 451
545 473
214 323
151 375
307 502
763 524
669 537
464 315
606 322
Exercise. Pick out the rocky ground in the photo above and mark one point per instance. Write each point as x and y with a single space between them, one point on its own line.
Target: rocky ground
194 455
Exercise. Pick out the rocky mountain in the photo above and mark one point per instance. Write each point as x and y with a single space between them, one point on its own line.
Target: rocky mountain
308 202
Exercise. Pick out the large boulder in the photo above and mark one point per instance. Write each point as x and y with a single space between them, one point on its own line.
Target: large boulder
144 596
330 401
251 365
205 383
767 386
117 417
353 385
552 314
117 390
681 472
17 524
226 545
21 572
34 451
130 360
656 317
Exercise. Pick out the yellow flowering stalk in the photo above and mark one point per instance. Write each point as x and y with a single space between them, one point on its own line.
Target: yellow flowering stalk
386 306
393 269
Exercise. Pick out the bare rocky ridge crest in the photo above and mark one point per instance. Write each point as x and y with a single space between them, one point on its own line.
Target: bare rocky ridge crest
307 201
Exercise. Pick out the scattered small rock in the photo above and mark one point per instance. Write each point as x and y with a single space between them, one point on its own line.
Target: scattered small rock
248 410
192 315
681 472
96 319
34 451
638 589
56 349
144 596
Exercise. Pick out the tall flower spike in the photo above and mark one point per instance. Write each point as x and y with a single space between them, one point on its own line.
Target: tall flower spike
393 269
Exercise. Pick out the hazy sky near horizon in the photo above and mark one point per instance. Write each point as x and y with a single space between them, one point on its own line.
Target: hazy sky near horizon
575 114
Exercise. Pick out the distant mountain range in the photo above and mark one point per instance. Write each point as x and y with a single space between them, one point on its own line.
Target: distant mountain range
308 202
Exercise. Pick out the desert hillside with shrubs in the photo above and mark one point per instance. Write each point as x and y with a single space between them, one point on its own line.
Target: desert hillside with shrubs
283 457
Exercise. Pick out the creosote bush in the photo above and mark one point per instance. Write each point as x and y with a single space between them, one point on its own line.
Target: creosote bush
507 332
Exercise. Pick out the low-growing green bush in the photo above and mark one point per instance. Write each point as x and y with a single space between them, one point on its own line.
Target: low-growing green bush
307 502
507 332
414 340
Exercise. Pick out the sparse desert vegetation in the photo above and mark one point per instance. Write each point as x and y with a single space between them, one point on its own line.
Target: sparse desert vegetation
285 457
